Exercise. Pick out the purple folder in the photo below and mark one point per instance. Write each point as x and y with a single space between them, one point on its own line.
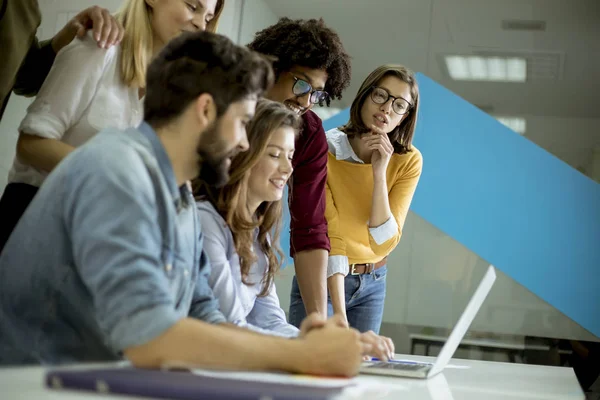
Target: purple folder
180 385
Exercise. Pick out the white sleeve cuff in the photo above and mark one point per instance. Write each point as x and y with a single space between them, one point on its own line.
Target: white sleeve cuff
337 265
40 122
385 231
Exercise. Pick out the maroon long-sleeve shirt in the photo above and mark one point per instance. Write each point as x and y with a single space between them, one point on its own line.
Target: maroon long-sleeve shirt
307 195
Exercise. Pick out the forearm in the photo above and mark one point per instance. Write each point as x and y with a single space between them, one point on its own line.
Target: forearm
380 205
41 153
311 274
335 285
192 342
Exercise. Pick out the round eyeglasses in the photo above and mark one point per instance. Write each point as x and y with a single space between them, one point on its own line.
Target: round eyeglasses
381 96
302 87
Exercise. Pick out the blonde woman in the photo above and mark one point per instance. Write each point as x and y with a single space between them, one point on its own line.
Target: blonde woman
90 88
372 173
241 222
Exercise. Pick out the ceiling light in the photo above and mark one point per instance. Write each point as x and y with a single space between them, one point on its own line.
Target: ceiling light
491 69
517 124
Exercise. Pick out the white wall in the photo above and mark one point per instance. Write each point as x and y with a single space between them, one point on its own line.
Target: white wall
256 16
230 19
570 139
594 166
241 19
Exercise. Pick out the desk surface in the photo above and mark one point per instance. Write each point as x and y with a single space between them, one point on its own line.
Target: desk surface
463 379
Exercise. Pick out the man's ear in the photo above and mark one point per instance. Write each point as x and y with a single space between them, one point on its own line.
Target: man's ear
150 3
206 110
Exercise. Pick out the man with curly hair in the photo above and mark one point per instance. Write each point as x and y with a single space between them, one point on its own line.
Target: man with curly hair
311 68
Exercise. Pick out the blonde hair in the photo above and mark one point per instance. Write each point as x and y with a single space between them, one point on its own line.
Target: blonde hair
137 45
214 22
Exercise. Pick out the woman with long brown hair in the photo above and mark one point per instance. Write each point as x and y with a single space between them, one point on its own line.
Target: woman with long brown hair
241 222
372 173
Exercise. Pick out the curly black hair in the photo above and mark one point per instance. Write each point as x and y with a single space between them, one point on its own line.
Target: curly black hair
307 43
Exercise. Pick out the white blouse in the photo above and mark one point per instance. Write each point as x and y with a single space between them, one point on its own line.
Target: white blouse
239 302
83 94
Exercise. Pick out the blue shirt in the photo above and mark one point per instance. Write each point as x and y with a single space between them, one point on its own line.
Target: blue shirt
240 302
107 256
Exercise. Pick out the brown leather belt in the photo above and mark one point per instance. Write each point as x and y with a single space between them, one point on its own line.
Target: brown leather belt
359 269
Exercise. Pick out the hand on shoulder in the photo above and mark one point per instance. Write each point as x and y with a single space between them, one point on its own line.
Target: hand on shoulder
106 30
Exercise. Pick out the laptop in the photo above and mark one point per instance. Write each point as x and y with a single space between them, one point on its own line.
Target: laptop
416 369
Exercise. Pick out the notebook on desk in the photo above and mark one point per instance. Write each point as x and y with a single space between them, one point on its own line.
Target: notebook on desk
415 369
196 384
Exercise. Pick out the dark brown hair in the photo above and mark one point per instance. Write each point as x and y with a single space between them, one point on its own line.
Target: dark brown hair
306 43
202 62
231 200
401 137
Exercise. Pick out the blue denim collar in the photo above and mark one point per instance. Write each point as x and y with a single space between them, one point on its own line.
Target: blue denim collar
163 160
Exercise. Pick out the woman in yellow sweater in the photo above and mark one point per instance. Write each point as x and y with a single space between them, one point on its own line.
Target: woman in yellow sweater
372 174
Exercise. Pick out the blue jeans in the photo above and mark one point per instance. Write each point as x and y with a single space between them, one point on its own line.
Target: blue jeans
365 297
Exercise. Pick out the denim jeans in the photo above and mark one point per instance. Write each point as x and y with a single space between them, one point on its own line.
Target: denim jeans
365 297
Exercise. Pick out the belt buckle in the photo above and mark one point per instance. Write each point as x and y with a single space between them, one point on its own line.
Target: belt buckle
353 270
371 268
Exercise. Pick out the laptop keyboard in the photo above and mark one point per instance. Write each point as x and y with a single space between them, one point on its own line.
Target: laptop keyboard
398 366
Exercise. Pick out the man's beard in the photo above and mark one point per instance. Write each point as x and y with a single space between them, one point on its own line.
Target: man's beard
214 161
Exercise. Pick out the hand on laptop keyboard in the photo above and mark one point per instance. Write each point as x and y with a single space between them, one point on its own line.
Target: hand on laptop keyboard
377 346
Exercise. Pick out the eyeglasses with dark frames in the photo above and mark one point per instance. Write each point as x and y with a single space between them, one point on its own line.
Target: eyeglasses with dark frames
381 96
302 87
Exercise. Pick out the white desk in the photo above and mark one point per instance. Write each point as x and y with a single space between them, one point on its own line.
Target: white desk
481 380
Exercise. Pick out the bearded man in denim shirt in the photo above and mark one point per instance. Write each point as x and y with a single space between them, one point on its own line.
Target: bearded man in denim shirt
107 262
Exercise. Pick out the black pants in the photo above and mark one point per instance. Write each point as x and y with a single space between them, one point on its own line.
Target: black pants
13 203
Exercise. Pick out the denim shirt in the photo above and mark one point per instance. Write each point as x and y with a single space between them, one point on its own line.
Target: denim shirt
107 256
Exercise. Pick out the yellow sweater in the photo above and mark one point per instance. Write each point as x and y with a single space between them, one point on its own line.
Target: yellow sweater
349 196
